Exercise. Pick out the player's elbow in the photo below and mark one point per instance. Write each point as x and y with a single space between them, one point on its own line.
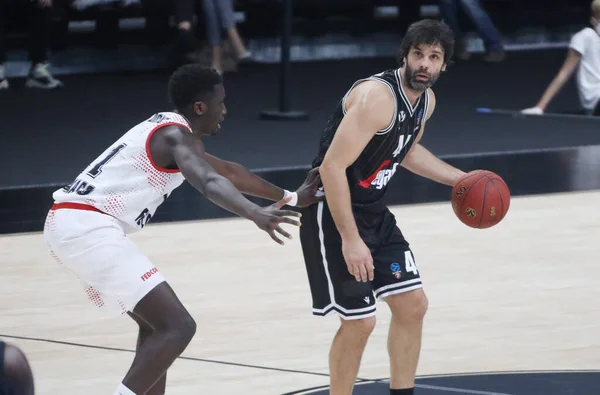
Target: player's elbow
331 169
411 158
204 180
210 185
331 166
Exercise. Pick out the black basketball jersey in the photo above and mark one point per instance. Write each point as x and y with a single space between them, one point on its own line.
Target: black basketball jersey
369 175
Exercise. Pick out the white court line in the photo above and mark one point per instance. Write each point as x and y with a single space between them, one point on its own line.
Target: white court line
459 390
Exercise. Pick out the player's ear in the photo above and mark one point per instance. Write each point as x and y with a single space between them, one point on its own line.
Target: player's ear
444 67
199 108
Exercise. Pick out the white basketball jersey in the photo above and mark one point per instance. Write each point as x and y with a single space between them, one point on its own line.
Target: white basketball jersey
124 181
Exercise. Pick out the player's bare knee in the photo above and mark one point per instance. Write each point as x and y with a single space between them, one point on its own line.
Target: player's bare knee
178 330
409 306
361 327
184 329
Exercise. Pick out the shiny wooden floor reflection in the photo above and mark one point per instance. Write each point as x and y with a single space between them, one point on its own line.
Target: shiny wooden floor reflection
521 296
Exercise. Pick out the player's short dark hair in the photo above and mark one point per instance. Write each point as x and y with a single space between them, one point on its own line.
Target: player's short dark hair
191 83
429 32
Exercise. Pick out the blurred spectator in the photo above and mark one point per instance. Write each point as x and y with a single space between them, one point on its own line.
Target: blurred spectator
39 23
584 51
219 16
187 44
157 14
449 9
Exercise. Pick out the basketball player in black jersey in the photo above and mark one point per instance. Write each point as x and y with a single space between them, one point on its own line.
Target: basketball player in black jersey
353 249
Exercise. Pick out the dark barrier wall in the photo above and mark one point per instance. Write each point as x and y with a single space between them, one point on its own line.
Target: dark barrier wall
535 172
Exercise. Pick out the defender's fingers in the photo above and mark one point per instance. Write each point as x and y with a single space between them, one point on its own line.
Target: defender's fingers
288 213
275 238
283 232
288 221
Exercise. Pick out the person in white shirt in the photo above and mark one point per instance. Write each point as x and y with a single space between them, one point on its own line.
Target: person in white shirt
583 55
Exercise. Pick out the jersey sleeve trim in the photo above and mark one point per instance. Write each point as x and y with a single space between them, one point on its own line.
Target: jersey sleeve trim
156 128
347 93
393 121
426 111
391 88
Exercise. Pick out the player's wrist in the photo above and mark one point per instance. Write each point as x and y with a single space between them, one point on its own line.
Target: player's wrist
254 213
350 237
293 195
457 177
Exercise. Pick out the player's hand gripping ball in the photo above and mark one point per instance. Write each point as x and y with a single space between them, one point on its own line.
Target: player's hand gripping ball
480 199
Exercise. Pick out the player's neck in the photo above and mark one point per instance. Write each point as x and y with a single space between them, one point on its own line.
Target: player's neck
187 118
196 130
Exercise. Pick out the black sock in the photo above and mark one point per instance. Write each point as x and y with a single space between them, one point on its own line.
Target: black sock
405 391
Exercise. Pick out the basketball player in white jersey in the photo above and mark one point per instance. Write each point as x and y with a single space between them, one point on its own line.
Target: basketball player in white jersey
117 194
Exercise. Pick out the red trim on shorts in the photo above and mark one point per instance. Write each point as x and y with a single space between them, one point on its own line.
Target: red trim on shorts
75 206
148 146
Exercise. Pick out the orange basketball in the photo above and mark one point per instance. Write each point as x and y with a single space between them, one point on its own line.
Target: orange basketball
480 199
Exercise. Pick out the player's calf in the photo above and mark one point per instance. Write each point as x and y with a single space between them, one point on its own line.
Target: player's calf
173 328
404 339
145 331
346 352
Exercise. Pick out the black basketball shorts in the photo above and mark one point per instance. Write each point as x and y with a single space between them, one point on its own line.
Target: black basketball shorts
332 287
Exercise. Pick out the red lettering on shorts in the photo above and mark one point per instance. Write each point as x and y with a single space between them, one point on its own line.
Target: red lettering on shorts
149 274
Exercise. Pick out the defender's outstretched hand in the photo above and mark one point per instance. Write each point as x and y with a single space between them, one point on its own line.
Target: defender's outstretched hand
270 218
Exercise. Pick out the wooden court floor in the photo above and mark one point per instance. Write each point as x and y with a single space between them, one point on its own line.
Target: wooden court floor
521 296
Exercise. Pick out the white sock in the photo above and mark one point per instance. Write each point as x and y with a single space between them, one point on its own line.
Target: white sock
122 390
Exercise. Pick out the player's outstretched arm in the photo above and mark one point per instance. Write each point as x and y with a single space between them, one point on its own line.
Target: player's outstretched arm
369 108
422 162
253 185
186 151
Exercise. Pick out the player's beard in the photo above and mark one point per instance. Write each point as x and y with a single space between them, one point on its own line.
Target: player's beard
410 77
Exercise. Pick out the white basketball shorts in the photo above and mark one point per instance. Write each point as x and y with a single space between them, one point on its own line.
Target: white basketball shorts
94 246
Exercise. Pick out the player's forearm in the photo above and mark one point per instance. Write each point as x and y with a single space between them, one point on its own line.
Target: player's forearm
223 193
425 164
251 184
337 194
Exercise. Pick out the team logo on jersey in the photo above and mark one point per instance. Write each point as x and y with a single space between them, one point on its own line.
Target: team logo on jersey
143 218
383 177
402 116
396 270
380 178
